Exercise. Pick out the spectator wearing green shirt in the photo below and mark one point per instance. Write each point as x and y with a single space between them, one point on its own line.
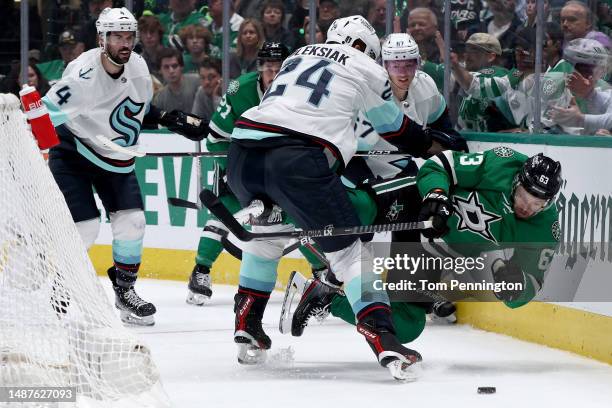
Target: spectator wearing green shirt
215 25
482 52
196 40
68 49
181 14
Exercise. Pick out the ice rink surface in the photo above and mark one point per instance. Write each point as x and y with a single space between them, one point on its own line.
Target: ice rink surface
332 365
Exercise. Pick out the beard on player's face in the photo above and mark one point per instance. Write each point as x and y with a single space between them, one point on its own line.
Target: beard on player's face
120 56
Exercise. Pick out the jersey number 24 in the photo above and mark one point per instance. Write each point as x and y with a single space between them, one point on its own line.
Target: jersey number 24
318 89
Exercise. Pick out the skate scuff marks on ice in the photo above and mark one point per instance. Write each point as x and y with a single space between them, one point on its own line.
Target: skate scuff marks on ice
281 358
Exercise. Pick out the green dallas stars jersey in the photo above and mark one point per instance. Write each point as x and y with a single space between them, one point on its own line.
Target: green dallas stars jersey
484 87
480 186
242 94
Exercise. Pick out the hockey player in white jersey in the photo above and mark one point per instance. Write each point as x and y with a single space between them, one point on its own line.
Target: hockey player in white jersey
107 92
417 95
289 151
392 179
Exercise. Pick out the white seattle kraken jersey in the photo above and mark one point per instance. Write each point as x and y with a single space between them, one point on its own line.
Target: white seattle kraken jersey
318 94
423 104
87 101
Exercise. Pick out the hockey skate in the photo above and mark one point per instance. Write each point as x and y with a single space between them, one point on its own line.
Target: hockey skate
252 341
314 300
134 310
399 360
443 312
199 291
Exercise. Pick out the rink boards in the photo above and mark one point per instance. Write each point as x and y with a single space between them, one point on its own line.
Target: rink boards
580 272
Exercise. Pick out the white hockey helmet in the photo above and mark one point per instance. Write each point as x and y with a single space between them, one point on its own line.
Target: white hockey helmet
116 19
586 51
347 30
400 46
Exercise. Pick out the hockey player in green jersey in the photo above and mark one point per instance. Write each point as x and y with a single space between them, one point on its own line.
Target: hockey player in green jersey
496 199
242 93
492 199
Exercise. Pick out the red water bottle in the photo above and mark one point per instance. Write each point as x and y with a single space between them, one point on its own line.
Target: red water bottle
38 117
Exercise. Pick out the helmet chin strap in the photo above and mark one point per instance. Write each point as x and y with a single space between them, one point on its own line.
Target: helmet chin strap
112 61
398 86
107 54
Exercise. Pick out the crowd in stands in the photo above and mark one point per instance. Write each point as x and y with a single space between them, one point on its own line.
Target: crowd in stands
492 55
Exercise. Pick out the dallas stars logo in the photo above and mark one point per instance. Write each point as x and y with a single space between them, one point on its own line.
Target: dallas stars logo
474 217
394 210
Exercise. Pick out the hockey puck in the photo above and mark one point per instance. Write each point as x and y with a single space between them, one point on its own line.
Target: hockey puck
486 390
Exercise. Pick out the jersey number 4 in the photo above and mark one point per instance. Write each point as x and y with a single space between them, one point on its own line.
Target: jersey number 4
318 89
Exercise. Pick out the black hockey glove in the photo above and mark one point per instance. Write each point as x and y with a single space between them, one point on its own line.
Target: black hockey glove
508 272
437 207
450 140
185 124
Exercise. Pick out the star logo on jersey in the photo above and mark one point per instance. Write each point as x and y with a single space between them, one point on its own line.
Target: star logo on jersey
394 211
473 216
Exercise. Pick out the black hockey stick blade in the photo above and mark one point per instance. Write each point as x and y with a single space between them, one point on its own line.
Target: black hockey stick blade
225 216
215 206
179 202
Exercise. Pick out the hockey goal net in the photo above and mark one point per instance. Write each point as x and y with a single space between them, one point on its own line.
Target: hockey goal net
57 326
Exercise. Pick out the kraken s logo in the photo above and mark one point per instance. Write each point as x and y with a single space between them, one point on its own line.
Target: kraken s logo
123 121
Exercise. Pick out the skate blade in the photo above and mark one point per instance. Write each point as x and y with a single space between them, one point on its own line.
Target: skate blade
249 354
132 319
293 294
403 371
196 299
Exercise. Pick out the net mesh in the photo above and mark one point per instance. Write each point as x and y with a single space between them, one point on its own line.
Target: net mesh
57 326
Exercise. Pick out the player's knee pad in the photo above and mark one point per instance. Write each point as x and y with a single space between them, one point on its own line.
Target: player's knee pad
269 249
346 263
128 225
88 230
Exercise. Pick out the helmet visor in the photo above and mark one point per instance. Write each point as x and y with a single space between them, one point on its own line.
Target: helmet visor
402 67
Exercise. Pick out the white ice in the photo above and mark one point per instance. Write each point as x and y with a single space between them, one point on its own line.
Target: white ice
333 366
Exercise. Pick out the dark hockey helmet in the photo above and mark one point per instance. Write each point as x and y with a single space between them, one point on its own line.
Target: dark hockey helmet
541 176
271 51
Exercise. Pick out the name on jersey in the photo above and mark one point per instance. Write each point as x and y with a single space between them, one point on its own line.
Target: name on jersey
324 52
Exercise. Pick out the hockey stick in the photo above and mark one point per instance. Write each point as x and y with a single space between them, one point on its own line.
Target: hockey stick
227 244
179 202
117 148
224 154
109 144
222 213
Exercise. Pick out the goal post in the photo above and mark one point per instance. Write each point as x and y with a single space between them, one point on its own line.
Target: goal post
57 325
